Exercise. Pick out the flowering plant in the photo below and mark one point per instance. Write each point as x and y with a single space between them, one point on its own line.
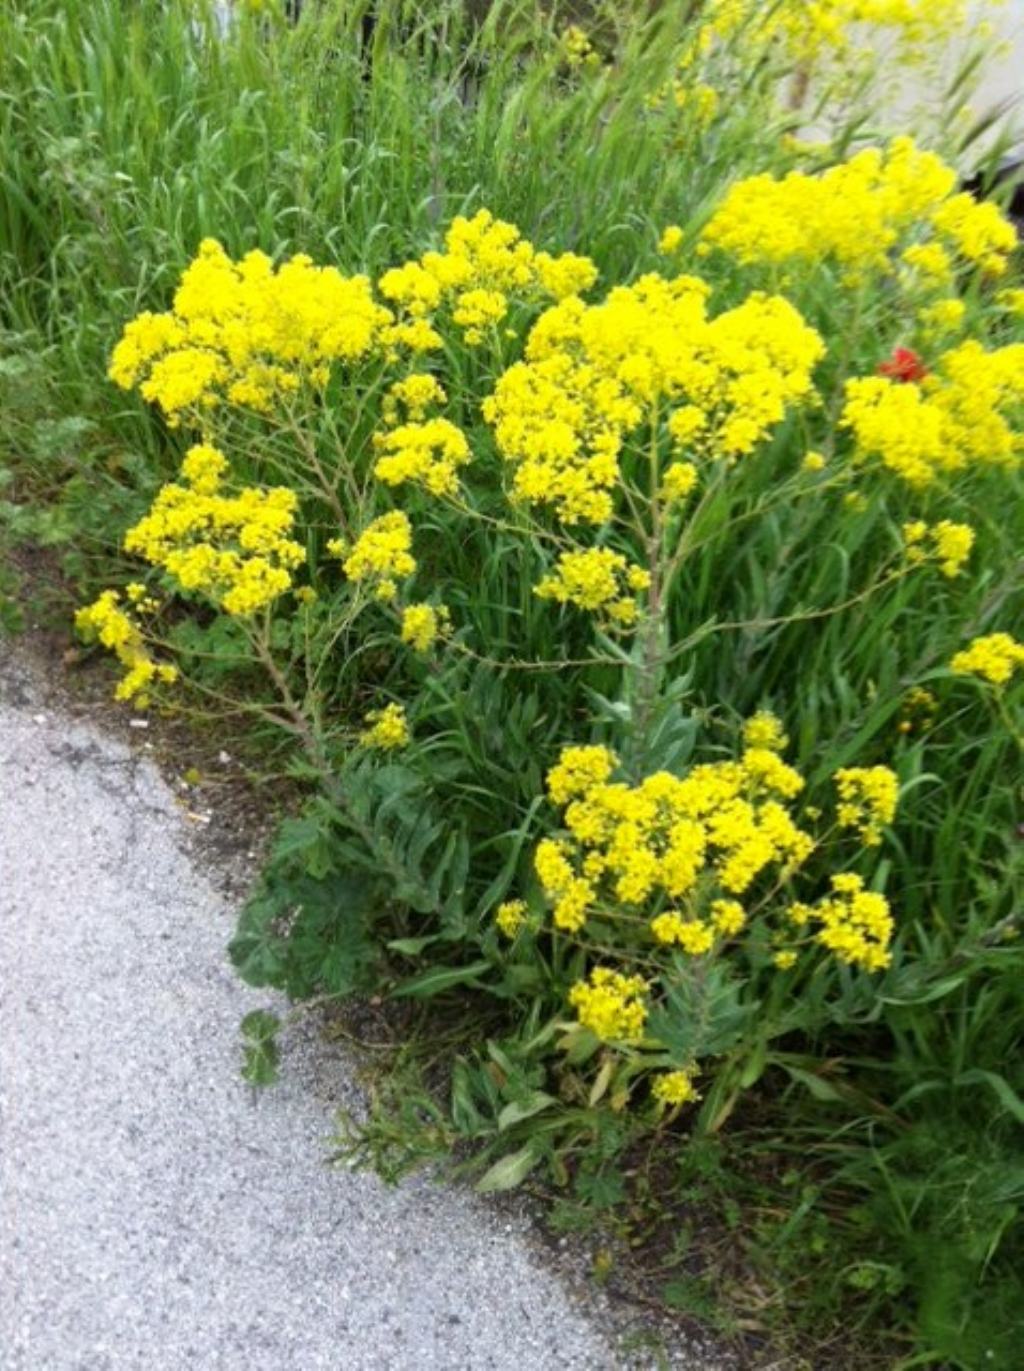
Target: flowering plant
498 489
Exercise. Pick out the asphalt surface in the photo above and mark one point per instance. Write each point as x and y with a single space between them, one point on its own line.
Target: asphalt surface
154 1213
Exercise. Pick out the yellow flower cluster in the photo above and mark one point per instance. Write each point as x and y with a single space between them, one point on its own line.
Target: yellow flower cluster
994 658
428 453
692 935
611 1005
389 728
669 839
977 231
806 29
245 333
959 416
414 395
943 316
596 579
855 924
576 49
484 262
510 917
235 549
670 240
648 353
930 260
947 543
478 310
382 553
115 629
695 100
422 625
764 730
674 1088
678 480
867 798
859 212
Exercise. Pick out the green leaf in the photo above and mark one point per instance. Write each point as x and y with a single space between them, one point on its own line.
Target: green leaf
307 841
702 1014
1008 1097
260 1050
307 936
440 978
518 1110
509 1171
411 947
819 1088
465 1114
579 1045
603 1190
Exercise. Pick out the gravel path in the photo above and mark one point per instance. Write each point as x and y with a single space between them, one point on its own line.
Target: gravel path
155 1215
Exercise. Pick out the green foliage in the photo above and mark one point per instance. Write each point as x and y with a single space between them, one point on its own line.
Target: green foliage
308 928
261 1053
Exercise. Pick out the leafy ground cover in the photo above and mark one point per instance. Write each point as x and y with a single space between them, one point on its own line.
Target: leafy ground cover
606 504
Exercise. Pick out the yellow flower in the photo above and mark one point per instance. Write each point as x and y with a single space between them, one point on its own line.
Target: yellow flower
977 230
946 543
422 625
576 48
1012 300
428 452
593 373
764 730
693 936
415 393
868 798
678 481
722 823
553 866
858 212
728 916
611 1005
116 630
486 263
234 549
389 728
944 315
247 334
671 239
572 905
595 580
510 917
568 274
953 543
382 552
953 420
930 259
674 1088
578 770
994 658
856 924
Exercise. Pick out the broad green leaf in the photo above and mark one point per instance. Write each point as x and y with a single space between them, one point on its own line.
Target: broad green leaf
509 1171
518 1110
440 978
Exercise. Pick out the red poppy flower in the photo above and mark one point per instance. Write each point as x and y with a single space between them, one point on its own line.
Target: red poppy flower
903 365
